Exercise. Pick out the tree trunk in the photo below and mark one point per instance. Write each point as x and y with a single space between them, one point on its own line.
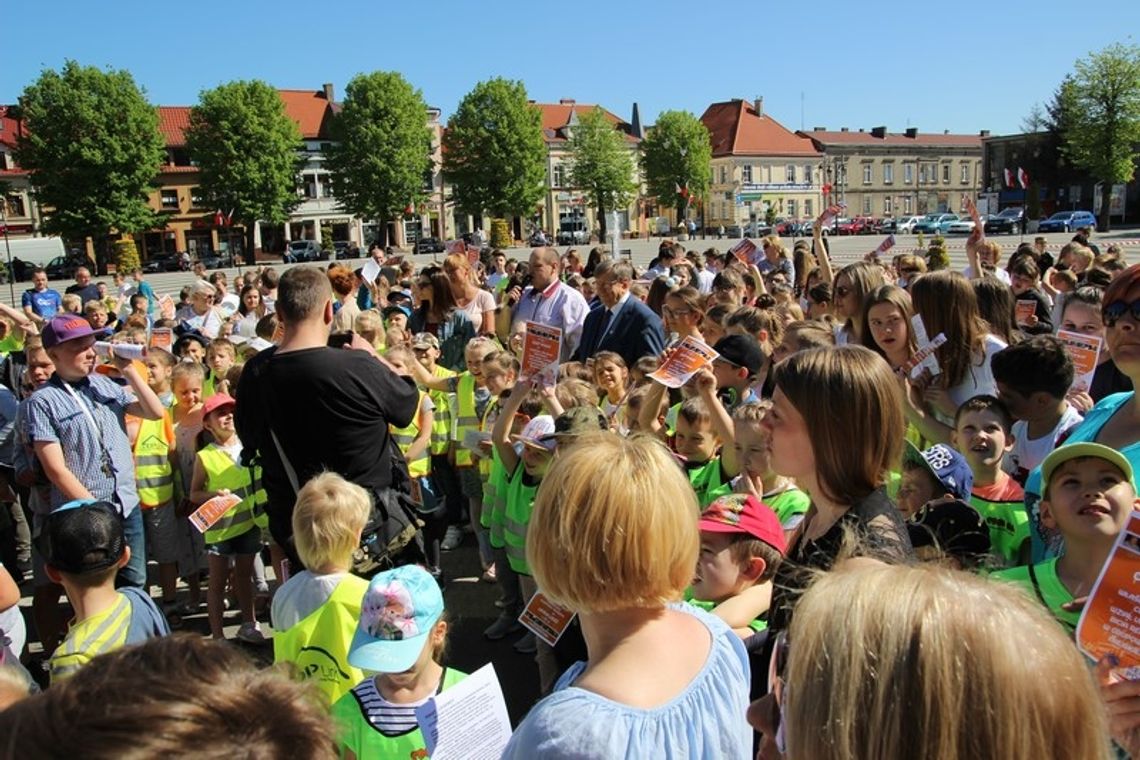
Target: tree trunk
1105 206
250 252
602 222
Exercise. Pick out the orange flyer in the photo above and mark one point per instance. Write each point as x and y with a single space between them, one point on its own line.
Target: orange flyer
1084 350
684 361
162 337
746 251
545 619
1025 310
211 511
542 349
1110 623
166 306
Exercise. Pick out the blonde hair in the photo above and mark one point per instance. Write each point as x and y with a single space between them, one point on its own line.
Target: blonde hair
922 663
369 325
329 515
71 303
187 371
613 526
221 345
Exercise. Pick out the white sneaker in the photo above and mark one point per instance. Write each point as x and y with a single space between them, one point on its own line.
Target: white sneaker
251 633
452 538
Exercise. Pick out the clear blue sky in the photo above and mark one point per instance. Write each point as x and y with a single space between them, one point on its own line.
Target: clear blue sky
959 66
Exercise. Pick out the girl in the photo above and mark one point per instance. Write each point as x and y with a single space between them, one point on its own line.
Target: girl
344 297
401 638
613 539
250 310
682 312
477 304
612 379
1025 279
852 285
439 315
800 336
998 309
886 315
659 289
819 301
1082 314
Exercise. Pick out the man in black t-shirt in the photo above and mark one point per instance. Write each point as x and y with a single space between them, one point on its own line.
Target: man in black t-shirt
83 287
330 408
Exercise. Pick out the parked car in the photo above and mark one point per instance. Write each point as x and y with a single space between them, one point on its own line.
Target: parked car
301 251
216 260
856 226
785 226
886 226
904 225
963 225
1007 220
935 224
162 262
430 245
346 249
1067 221
757 229
733 231
63 267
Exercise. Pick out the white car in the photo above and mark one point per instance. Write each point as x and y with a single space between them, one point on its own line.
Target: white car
905 224
963 226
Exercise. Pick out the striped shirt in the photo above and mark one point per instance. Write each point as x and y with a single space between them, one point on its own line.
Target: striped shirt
87 639
386 717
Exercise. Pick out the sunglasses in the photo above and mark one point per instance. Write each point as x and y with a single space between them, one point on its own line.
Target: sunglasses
779 689
1117 309
842 291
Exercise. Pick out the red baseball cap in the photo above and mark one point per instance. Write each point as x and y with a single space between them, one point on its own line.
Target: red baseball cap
216 402
738 513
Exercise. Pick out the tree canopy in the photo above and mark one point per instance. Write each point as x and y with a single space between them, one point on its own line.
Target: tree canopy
602 164
676 158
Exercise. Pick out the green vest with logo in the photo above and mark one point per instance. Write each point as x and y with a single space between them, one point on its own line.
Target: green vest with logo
243 482
405 436
154 475
706 481
465 418
1009 526
441 417
1042 582
318 645
520 504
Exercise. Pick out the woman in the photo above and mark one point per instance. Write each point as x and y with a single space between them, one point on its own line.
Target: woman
948 305
571 263
852 285
819 301
923 662
842 467
343 283
250 309
200 314
886 319
1082 315
776 260
477 304
682 313
439 315
593 260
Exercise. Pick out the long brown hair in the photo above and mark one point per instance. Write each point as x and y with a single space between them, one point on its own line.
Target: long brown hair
947 304
864 278
900 299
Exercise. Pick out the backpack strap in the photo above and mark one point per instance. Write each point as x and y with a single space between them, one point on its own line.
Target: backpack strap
1036 585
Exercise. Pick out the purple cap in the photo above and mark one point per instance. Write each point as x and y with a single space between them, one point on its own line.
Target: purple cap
64 327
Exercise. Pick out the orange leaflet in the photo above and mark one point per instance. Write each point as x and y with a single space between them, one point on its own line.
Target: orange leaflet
212 511
1084 350
542 348
162 337
546 619
1025 310
683 361
1110 623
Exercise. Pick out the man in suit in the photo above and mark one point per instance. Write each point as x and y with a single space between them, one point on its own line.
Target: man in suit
622 324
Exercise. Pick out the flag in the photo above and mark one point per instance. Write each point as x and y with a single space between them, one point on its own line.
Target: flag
1022 178
1008 178
230 218
827 188
219 218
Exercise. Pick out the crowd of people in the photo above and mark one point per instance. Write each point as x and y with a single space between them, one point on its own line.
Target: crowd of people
866 528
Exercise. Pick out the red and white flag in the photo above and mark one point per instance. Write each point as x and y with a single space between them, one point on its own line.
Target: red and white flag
1008 178
1022 178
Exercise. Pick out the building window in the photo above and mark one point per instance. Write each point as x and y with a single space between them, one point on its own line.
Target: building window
888 208
807 174
866 205
965 174
807 208
888 174
945 172
908 174
790 171
768 174
169 200
791 206
906 205
196 199
746 173
16 205
559 179
868 174
723 175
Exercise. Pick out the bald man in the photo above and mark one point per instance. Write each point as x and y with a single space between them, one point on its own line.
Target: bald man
547 300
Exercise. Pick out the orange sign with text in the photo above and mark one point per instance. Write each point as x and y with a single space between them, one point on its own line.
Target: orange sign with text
1110 623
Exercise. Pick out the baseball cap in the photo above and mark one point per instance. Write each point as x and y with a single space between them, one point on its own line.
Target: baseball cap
953 526
396 615
738 513
425 340
946 465
399 298
396 309
216 402
1063 454
741 350
83 537
580 420
538 432
64 327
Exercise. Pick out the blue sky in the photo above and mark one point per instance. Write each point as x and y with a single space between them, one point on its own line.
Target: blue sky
960 66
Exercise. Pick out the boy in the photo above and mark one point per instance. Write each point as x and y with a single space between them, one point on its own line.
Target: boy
425 347
1089 493
220 356
737 368
938 474
314 613
950 532
982 433
742 544
85 547
1032 379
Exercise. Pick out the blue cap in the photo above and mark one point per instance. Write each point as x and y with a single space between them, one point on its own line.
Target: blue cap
398 611
946 465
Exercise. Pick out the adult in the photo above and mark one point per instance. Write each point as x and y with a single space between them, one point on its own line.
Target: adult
498 269
40 302
226 301
304 408
438 315
476 303
776 259
83 287
667 255
623 324
547 301
200 313
250 311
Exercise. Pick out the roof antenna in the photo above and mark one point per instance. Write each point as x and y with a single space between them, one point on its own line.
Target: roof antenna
801 110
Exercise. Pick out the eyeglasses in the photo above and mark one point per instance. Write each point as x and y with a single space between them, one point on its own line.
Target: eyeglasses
1117 309
842 291
779 689
666 311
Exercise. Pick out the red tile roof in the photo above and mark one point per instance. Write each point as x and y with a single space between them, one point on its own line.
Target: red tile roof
556 116
9 128
894 139
308 108
736 129
172 123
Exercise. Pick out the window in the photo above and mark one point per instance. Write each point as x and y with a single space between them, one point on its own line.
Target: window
807 174
768 174
310 185
888 174
866 205
906 205
169 200
888 207
807 207
922 175
790 174
908 174
559 176
196 199
723 175
746 173
868 174
791 206
945 172
16 205
965 174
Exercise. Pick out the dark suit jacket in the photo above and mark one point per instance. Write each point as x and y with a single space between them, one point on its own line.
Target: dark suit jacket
636 332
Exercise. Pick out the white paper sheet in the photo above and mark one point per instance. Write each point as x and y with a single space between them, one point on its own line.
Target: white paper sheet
469 721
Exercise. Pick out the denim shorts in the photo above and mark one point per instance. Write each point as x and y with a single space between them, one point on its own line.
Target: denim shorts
247 543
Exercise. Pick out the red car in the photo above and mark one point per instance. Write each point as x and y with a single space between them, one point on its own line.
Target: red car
857 226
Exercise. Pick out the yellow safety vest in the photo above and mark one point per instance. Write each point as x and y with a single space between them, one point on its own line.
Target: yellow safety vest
520 505
465 418
485 462
318 645
441 417
154 474
406 436
243 482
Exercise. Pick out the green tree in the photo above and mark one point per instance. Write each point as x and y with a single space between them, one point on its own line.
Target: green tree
602 164
494 153
1106 118
246 148
381 159
675 157
92 145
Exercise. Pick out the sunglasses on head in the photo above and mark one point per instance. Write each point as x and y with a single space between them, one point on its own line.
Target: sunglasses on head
1117 309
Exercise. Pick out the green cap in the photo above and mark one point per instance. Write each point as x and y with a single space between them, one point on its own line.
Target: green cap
1069 451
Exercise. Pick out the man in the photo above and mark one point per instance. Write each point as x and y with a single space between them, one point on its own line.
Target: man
327 408
83 287
75 423
39 301
702 266
499 270
667 255
228 302
623 325
547 301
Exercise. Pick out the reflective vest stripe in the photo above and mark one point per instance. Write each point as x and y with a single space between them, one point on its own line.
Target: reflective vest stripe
222 473
406 436
154 474
441 419
520 504
465 418
151 460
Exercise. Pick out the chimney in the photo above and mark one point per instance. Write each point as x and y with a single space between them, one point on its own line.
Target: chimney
879 132
566 102
758 104
984 133
819 129
912 132
328 88
860 130
844 129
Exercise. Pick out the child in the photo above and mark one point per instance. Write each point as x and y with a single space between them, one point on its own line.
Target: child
737 369
635 402
95 312
370 326
186 380
314 613
159 366
191 347
937 474
950 532
401 638
500 370
1032 379
742 543
71 304
611 378
982 432
220 356
236 535
425 347
1089 493
84 548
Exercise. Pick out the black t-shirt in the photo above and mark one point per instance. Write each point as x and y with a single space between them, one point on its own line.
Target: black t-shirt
330 409
1107 380
86 293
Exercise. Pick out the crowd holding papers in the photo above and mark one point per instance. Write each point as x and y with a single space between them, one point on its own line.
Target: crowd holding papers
684 360
1084 350
542 348
1110 622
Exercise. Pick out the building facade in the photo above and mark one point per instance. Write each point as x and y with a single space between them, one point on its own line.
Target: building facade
758 164
878 173
21 214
